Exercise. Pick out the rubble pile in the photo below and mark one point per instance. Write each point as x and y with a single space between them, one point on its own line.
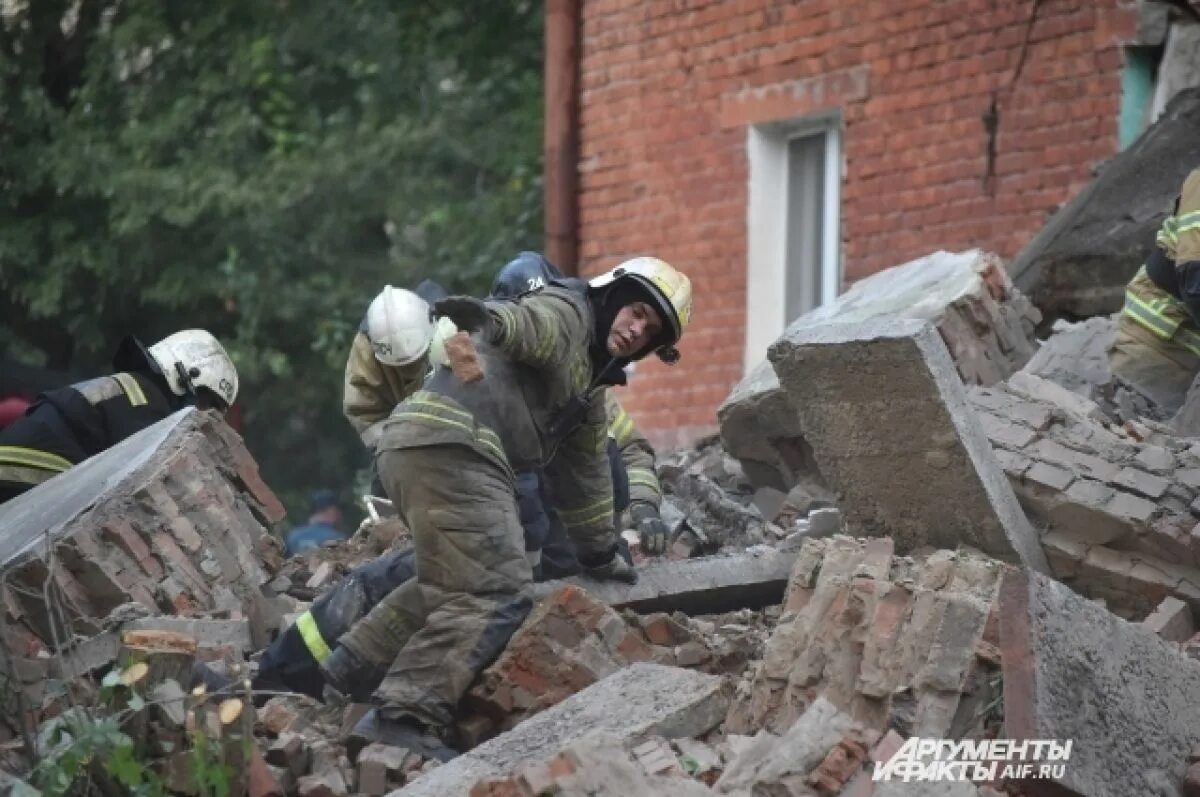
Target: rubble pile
1118 502
175 520
896 642
917 523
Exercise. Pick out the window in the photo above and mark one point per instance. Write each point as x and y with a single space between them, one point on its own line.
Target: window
794 258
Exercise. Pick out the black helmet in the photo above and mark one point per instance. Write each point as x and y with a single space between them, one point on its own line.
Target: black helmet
528 271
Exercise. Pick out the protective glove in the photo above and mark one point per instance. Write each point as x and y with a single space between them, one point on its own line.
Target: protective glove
650 527
615 569
468 313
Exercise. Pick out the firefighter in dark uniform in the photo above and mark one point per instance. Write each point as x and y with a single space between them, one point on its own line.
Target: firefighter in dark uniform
63 427
1157 348
447 458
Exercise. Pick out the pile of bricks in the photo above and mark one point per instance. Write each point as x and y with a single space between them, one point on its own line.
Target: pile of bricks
906 642
569 642
173 520
1120 504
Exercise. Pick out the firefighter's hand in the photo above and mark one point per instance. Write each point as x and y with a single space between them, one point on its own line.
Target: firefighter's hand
615 569
650 527
468 313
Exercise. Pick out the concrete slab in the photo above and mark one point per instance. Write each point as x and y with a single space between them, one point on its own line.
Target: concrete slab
645 699
1073 671
893 433
987 325
752 578
1080 262
30 518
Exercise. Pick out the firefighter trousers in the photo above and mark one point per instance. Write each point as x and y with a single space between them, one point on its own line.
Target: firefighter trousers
470 592
1162 370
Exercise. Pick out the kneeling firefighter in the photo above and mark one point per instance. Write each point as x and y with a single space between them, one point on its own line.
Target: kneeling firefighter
447 458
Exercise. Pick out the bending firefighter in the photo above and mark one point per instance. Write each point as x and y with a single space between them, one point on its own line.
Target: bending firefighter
70 424
447 457
1157 348
388 361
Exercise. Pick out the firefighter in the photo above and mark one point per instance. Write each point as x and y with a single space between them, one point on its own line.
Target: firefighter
635 482
447 457
388 360
70 424
1157 348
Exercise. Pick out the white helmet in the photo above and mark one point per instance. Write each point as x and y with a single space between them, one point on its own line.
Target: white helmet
194 359
399 326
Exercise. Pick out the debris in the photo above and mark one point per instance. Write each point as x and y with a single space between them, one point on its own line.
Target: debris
706 585
799 755
138 523
641 700
464 360
1075 356
894 434
987 326
874 633
1074 671
1080 262
380 766
1118 506
590 768
1172 620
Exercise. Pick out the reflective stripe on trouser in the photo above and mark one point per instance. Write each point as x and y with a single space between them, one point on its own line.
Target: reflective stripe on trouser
467 600
306 624
1161 369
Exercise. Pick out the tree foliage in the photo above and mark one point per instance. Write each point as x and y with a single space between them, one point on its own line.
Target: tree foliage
259 169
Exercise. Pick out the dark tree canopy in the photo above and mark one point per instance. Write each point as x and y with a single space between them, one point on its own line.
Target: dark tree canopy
259 169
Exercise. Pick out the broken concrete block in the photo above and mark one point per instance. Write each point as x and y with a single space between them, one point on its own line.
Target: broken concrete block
591 768
140 522
1119 693
1080 262
986 324
1172 620
1075 356
289 752
653 700
824 522
330 783
889 420
378 766
760 428
704 585
233 635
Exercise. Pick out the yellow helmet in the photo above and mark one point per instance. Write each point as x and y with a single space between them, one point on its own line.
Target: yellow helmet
670 289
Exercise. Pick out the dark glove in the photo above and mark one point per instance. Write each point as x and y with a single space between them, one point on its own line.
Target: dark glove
468 313
615 569
650 527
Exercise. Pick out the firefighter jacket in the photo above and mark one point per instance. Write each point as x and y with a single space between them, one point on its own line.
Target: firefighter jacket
539 405
636 453
70 424
1164 296
373 390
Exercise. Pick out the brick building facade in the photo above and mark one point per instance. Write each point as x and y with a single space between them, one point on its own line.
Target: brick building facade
930 124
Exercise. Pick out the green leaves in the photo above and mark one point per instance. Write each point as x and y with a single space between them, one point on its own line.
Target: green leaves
262 175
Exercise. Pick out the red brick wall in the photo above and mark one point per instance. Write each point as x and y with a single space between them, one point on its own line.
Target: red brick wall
669 87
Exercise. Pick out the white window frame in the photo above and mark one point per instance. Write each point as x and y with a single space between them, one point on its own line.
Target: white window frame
767 226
